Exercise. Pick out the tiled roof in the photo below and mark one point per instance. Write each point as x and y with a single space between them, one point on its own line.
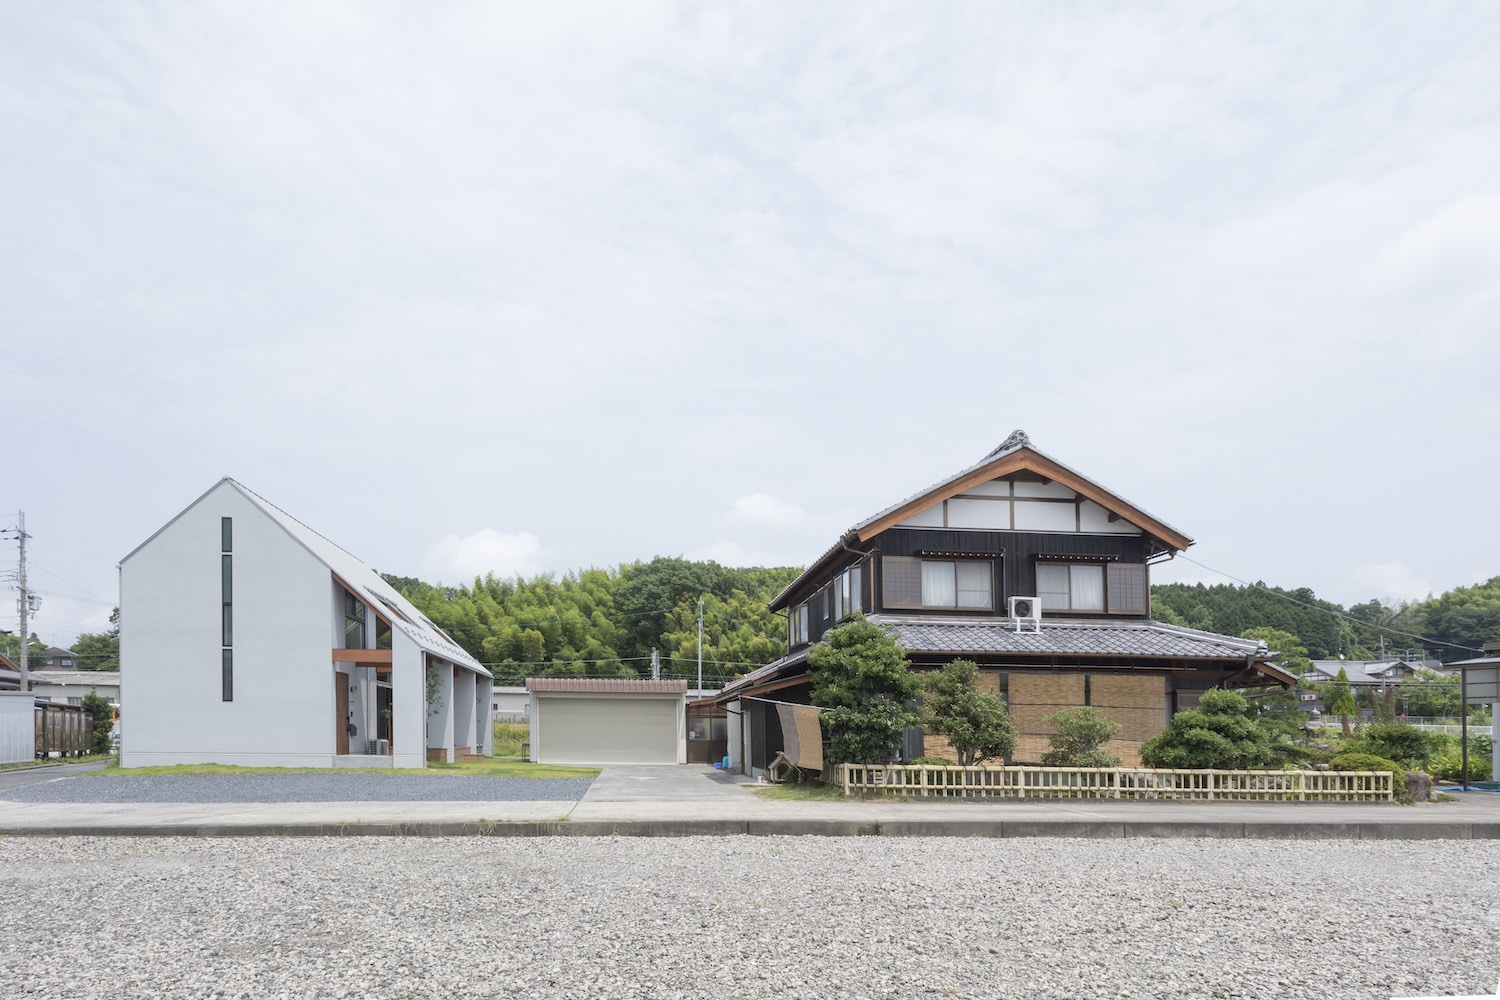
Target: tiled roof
103 678
1366 671
1132 638
1015 442
605 685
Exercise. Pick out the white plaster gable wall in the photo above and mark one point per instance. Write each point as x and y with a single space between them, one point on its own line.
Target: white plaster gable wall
170 641
408 702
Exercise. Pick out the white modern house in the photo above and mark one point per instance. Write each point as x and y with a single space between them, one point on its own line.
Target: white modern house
70 687
248 638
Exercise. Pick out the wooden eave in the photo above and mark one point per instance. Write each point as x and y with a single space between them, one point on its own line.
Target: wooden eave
364 656
1026 460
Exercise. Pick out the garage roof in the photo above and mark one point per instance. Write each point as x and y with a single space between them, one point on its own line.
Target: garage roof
605 685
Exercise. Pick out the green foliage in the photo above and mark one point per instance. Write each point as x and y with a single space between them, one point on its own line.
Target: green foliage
861 673
101 721
1234 610
1291 655
606 622
976 723
1080 734
935 762
99 650
510 738
10 647
1217 734
1371 762
1448 765
1430 694
1469 616
1394 740
1338 698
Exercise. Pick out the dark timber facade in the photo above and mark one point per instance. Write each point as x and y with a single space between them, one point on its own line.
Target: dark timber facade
944 570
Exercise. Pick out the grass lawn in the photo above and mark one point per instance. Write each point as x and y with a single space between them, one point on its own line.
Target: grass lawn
802 793
494 767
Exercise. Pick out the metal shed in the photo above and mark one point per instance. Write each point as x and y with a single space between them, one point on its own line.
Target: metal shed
576 720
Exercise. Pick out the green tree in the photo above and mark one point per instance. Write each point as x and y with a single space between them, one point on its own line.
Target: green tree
99 650
101 721
976 723
1467 616
10 648
1290 655
1219 733
1338 699
1081 732
861 673
1429 694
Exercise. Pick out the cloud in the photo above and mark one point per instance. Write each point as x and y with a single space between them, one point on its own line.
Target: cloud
1389 581
765 509
485 551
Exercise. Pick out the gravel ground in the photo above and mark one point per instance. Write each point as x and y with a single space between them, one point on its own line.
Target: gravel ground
302 788
747 917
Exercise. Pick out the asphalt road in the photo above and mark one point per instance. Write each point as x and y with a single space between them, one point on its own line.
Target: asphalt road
36 775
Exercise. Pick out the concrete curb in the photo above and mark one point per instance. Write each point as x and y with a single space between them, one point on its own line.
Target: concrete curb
1102 829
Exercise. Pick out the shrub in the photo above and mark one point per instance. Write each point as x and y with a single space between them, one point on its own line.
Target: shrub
101 721
1218 733
1370 762
1080 734
1393 740
976 723
1448 765
860 672
935 761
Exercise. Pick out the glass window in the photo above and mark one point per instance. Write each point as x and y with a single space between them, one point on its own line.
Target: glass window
228 626
938 590
227 677
354 622
226 581
856 589
974 585
1052 587
382 633
226 534
1070 586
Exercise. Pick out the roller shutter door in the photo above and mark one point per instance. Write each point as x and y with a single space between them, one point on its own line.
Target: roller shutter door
608 730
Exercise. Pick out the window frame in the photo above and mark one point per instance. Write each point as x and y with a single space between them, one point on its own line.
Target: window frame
987 561
1107 567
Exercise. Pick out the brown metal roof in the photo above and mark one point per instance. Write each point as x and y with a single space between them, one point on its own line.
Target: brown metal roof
605 685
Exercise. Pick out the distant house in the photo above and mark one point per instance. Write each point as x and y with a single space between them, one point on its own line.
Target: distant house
54 658
248 638
1036 572
10 675
70 686
1364 675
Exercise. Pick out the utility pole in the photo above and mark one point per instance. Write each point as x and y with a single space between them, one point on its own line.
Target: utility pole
25 601
655 664
700 645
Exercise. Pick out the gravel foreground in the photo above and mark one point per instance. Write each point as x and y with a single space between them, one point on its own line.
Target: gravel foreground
747 917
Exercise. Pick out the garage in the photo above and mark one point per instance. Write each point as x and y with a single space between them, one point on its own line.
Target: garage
576 720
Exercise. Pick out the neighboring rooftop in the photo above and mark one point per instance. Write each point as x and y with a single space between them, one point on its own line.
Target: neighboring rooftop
605 685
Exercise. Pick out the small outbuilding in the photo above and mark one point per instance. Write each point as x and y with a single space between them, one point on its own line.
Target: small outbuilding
587 720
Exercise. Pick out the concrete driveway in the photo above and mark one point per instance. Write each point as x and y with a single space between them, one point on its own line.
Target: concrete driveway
667 783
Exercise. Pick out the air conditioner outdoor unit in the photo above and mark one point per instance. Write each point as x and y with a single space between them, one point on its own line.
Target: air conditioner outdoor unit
379 748
1026 611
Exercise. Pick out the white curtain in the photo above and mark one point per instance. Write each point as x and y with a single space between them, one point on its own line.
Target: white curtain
938 590
1052 586
1088 588
974 585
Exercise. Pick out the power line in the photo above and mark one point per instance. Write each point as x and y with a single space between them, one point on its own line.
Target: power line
1330 611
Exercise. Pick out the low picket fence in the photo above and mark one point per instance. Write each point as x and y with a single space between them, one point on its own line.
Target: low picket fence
1021 781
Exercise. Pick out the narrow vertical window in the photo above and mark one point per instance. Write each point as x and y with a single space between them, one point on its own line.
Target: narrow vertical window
226 603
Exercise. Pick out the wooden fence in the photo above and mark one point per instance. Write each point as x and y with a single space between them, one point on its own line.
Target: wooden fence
64 730
1025 782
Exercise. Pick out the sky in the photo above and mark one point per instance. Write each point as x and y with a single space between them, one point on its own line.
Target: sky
477 287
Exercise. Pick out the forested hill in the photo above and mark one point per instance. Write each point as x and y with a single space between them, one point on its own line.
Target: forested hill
605 622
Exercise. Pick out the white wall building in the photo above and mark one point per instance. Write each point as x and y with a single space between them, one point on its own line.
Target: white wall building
68 687
248 638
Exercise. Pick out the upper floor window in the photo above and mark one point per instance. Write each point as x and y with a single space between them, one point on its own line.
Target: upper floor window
1101 588
354 622
797 625
848 593
966 584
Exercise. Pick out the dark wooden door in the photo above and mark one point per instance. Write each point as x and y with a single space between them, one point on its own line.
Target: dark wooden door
341 734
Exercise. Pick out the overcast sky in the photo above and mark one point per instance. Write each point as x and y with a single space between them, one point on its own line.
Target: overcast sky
525 288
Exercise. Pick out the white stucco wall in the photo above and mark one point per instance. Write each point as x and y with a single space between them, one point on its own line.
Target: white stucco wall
408 702
170 641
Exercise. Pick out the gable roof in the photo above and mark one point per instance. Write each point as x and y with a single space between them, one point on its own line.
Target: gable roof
1015 454
360 579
